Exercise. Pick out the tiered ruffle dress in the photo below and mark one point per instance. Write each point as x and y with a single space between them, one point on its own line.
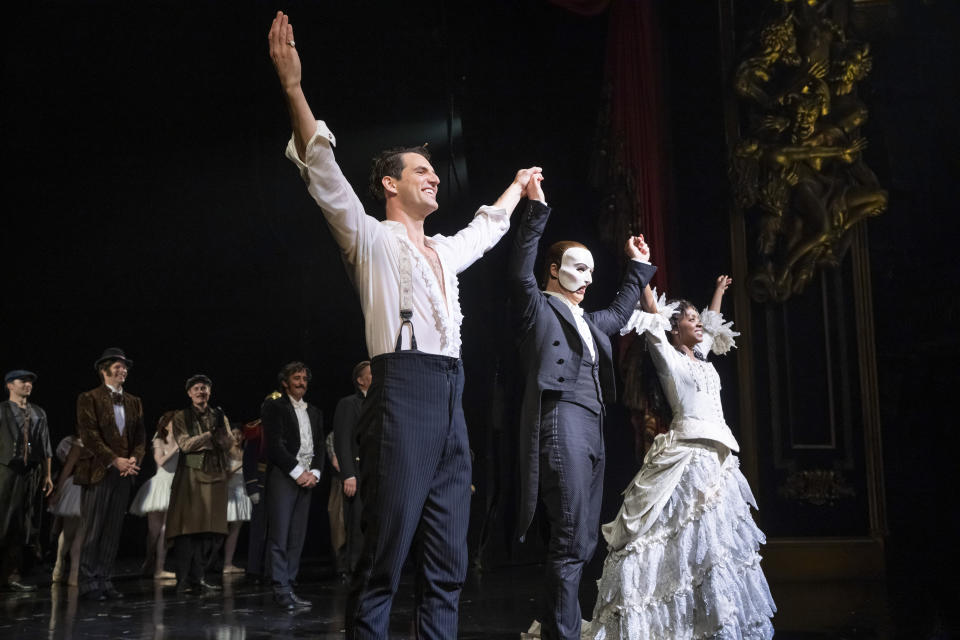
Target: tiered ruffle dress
683 552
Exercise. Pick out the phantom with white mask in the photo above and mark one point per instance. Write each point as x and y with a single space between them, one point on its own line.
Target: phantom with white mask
576 268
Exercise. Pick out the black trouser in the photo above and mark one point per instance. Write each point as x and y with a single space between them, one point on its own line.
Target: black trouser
572 460
194 553
288 511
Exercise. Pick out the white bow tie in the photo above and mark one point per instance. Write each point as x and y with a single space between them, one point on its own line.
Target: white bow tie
298 404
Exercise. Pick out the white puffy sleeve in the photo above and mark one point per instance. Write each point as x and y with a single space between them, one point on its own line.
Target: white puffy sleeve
718 336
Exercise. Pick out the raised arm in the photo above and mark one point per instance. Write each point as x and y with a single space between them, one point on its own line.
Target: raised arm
638 274
523 255
286 61
723 282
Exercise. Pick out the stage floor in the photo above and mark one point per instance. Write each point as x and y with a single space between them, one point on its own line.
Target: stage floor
494 605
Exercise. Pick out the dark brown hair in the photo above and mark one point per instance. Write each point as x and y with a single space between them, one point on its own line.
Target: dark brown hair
389 162
555 256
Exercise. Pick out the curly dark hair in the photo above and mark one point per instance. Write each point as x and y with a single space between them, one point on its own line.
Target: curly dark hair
389 162
291 368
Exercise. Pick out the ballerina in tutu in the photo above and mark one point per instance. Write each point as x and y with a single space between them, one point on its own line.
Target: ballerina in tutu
239 507
65 503
153 498
683 557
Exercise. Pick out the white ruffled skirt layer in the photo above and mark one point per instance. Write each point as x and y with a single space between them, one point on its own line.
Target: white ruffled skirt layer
69 503
154 494
683 561
239 507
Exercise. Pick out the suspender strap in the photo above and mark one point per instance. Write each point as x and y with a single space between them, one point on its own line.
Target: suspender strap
406 298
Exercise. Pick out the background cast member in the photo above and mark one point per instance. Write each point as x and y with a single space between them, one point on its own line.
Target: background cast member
294 433
345 421
110 425
568 362
24 454
239 507
153 498
255 473
421 479
197 516
66 504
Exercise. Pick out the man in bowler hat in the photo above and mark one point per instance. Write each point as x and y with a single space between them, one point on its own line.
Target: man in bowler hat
110 425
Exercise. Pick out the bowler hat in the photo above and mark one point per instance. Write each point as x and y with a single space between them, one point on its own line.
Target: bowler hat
111 354
199 377
20 374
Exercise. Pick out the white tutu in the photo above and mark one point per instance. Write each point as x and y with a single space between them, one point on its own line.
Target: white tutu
239 506
68 504
154 495
693 571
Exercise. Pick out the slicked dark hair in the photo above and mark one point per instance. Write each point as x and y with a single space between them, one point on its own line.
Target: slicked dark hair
555 256
390 163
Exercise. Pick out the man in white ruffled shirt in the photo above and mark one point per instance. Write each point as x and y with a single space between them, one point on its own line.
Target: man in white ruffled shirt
415 461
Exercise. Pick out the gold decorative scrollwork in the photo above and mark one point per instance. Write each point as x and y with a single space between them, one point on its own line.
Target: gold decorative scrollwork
819 487
798 166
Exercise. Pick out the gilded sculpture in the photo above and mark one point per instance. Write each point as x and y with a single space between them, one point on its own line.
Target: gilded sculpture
798 168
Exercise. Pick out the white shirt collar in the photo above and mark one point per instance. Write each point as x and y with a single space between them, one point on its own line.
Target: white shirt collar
113 388
298 404
574 308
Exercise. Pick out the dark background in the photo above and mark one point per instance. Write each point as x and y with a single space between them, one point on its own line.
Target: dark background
148 204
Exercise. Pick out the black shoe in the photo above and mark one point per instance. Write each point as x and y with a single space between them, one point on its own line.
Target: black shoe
209 586
285 601
18 587
300 602
94 595
111 593
185 586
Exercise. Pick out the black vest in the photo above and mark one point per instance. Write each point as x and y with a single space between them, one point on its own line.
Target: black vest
587 392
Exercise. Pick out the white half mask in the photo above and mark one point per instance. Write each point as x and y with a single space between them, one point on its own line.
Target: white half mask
570 274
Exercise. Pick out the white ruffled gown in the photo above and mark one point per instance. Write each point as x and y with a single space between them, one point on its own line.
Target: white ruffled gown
154 494
683 559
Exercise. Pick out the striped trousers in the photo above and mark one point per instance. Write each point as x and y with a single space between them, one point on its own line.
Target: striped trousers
103 507
415 475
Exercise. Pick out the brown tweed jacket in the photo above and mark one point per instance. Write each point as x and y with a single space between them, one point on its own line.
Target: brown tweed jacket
97 428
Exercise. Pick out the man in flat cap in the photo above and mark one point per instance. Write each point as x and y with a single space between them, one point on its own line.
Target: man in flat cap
197 515
24 456
110 425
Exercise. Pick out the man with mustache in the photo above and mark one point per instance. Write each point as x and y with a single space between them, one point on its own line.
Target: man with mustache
414 454
568 362
110 425
197 515
293 429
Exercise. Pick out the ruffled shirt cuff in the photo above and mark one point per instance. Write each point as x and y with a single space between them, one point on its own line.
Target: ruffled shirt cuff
641 321
721 333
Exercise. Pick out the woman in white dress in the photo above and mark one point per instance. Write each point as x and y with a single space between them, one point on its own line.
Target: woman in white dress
239 507
153 498
65 503
683 557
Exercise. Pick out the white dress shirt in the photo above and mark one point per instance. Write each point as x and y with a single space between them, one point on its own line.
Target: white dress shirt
582 327
305 454
371 250
119 414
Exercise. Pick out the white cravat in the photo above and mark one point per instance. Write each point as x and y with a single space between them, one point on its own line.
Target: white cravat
119 415
305 454
582 327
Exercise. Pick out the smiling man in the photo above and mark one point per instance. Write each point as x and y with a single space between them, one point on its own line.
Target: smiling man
414 475
197 516
568 361
110 425
295 455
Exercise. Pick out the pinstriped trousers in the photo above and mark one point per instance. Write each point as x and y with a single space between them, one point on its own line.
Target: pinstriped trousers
572 460
103 506
415 481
